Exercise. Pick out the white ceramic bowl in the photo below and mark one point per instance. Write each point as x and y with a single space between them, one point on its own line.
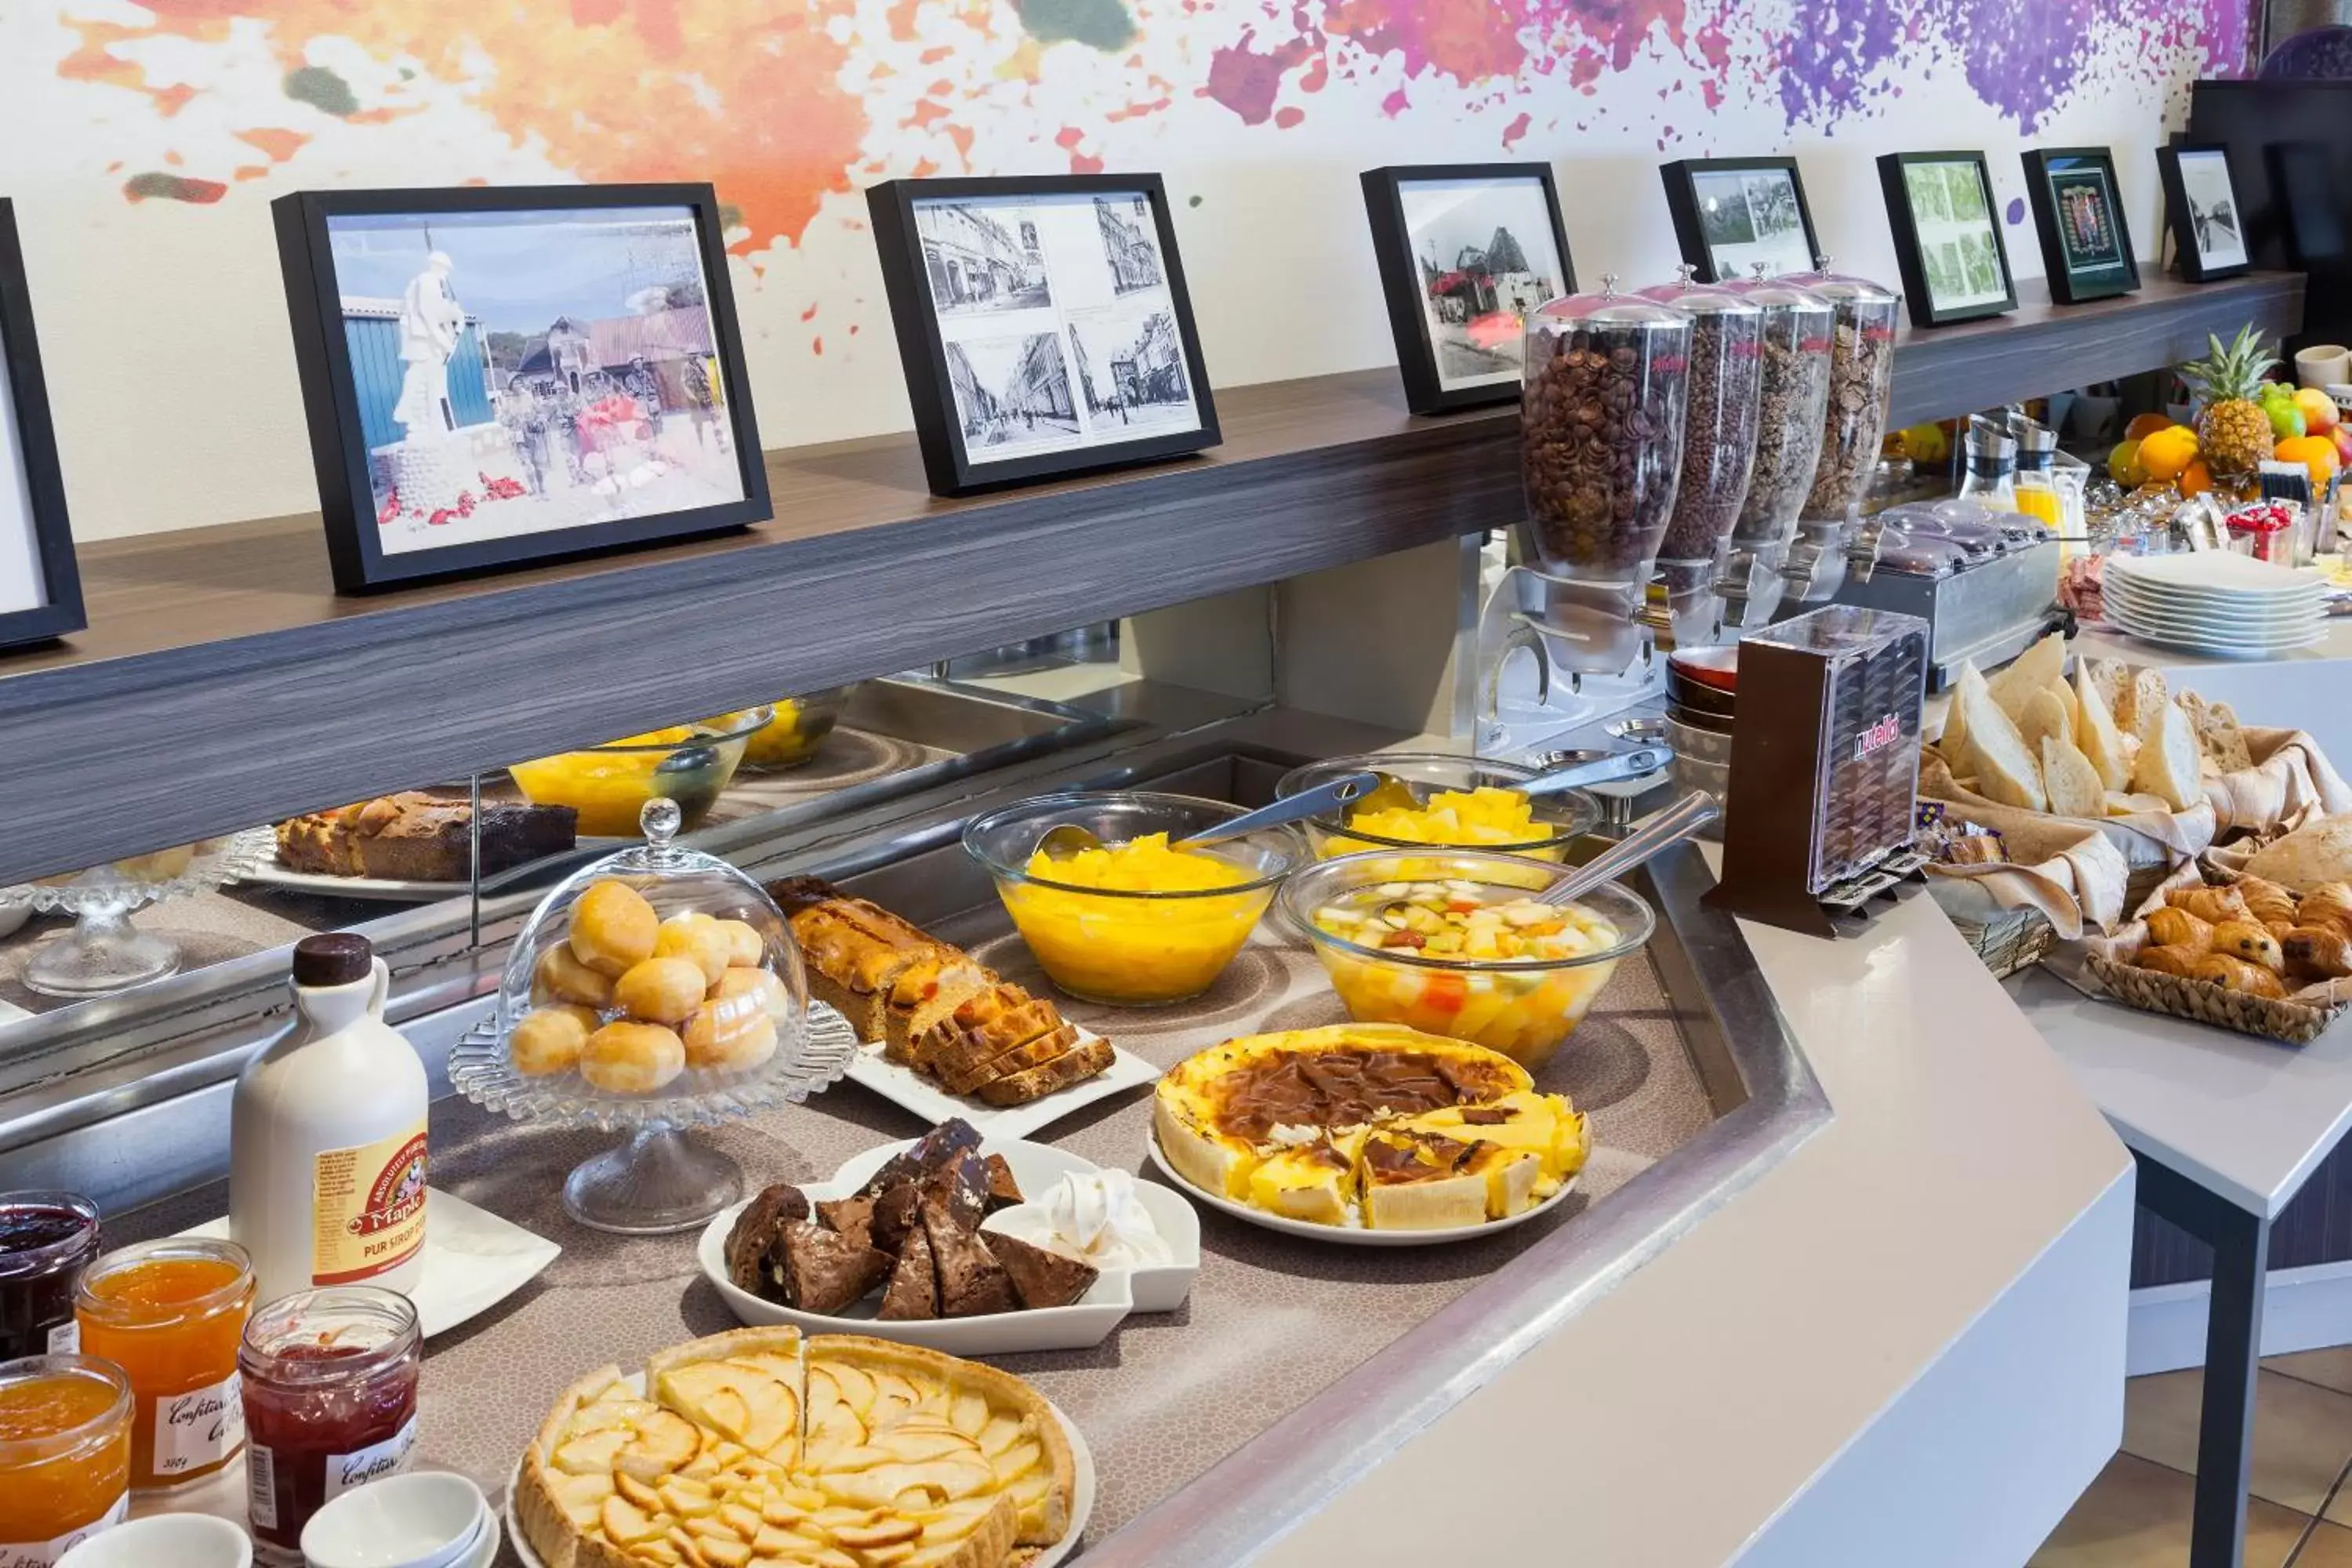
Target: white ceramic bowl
1085 1322
427 1519
181 1539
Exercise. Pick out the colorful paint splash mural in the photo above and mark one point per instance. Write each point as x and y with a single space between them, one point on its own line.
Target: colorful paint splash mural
784 104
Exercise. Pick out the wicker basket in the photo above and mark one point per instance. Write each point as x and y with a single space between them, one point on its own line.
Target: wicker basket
2286 1020
2012 940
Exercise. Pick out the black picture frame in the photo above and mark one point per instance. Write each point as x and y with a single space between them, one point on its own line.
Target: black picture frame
1910 258
339 450
1425 390
2189 258
948 463
1687 205
2071 284
59 610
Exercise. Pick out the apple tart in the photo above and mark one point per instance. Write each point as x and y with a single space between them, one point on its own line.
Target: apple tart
757 1448
1371 1125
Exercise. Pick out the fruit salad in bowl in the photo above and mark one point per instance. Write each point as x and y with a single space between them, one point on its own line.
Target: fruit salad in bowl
1458 802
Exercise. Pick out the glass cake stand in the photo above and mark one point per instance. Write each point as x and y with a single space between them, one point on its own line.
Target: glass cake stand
104 952
657 1179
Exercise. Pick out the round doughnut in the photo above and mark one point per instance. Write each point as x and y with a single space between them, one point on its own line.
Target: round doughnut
745 945
729 1036
548 1039
559 976
696 937
660 990
632 1058
613 927
758 983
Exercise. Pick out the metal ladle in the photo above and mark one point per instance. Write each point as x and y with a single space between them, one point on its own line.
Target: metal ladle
1677 823
1395 795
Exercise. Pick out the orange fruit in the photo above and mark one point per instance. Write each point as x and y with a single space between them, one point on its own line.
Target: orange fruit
2123 465
2196 478
2165 454
2316 453
2143 426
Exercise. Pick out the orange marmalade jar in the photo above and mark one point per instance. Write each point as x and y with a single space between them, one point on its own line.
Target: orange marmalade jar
171 1313
65 1454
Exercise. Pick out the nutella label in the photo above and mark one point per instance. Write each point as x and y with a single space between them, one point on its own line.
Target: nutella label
372 1463
45 1554
199 1428
66 1338
1878 737
367 1208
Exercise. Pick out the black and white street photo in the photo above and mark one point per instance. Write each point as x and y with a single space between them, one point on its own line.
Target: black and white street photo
1131 372
1127 246
1012 391
982 258
1483 254
2212 209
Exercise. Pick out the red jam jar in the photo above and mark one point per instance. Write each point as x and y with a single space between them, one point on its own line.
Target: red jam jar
45 1240
330 1404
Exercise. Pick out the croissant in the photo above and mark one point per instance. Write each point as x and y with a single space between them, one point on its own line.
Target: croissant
2170 927
2214 904
2169 961
2322 952
2328 904
2265 900
2236 974
2255 944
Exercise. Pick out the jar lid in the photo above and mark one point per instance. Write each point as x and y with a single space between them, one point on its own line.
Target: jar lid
333 958
1692 298
1777 294
1843 288
1609 307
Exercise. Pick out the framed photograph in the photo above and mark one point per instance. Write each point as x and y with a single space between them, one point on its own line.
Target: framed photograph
1465 251
2209 231
40 588
1947 239
1042 324
498 375
1731 214
2086 247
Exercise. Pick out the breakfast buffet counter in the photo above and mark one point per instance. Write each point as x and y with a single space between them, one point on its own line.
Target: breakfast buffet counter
1818 1365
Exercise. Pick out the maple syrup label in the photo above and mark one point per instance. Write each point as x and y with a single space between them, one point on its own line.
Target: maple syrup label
367 1208
45 1554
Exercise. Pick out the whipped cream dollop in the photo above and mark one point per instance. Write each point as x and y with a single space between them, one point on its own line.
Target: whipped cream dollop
1094 1216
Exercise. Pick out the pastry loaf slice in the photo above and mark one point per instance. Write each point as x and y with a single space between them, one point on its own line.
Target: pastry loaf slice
856 951
965 1076
1081 1062
990 1021
926 992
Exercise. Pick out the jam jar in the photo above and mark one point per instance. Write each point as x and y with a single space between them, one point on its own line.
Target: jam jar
171 1313
45 1238
330 1404
65 1455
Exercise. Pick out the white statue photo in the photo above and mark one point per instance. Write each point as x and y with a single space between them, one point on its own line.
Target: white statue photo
430 322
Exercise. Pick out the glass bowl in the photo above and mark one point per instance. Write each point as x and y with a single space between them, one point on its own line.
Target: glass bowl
799 728
1522 1008
1128 947
609 784
1564 816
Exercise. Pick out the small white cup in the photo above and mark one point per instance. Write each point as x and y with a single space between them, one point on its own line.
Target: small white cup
2322 364
181 1539
427 1519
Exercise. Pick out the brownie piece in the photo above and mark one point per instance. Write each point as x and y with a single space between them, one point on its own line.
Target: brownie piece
825 1271
428 840
1003 1192
852 1218
972 1282
895 1213
912 1292
758 1233
1041 1278
927 1153
961 1187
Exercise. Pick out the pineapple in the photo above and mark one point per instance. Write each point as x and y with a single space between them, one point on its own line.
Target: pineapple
2232 431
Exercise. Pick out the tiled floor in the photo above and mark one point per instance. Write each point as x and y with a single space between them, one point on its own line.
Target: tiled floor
2136 1515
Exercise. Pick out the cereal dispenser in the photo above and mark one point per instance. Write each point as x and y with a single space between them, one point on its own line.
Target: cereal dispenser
1600 447
1721 399
1792 399
1862 383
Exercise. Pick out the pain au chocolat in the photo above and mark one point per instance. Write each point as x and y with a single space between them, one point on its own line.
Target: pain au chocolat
757 1448
1374 1125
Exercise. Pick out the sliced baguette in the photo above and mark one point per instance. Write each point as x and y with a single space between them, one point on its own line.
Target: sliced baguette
2064 691
2036 669
2218 734
2149 701
2043 718
2112 678
1954 741
1074 1066
2099 739
2005 769
2168 764
2071 782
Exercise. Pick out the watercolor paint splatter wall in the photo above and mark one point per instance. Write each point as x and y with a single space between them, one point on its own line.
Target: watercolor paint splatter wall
145 142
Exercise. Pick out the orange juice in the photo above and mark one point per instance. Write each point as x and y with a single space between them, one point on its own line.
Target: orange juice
171 1314
65 1454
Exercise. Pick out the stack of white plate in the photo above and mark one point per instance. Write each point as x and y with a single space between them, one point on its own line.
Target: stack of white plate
2213 602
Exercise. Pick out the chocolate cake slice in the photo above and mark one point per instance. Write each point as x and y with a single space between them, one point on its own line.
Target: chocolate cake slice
1041 1278
972 1282
912 1292
852 1218
757 1237
825 1271
1003 1192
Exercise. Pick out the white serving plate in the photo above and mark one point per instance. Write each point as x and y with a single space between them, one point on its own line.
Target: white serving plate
895 1082
2196 609
1082 1495
382 889
2217 573
2228 648
473 1260
1349 1235
1085 1323
2294 632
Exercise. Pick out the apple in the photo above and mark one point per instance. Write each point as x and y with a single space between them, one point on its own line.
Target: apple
2319 411
2342 436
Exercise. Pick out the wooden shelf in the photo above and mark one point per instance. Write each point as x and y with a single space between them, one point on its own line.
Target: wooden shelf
221 682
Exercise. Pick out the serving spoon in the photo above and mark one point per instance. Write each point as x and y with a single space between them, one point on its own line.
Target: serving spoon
1672 825
1395 795
1069 838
